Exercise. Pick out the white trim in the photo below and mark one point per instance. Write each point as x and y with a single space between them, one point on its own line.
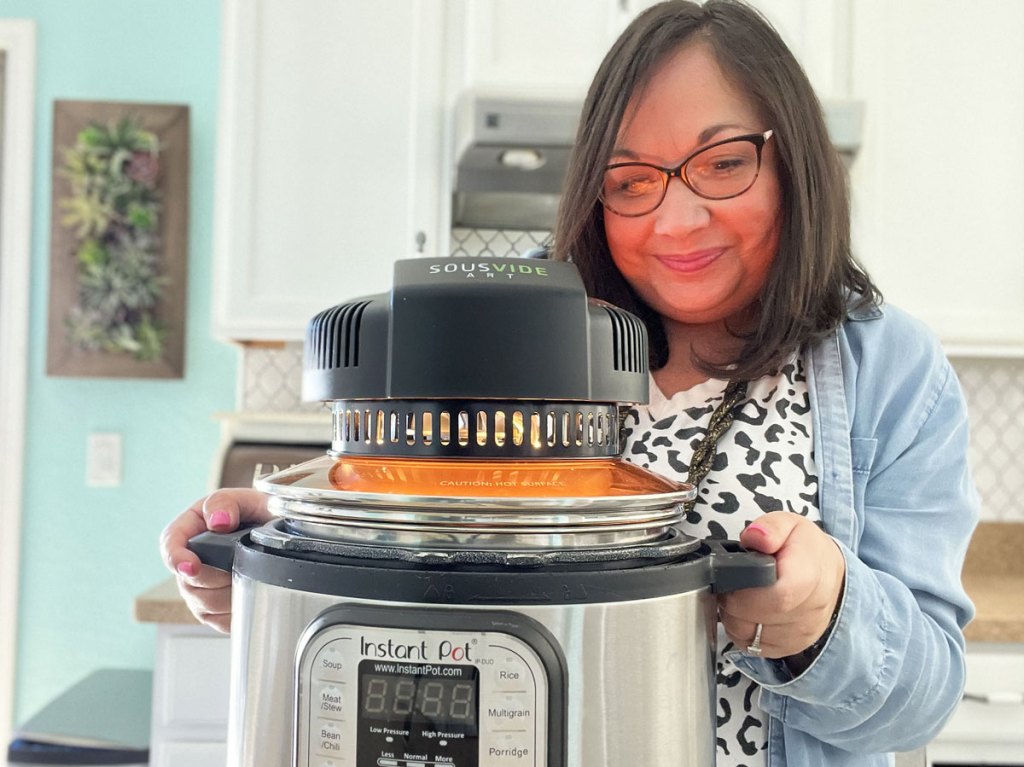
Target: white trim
18 39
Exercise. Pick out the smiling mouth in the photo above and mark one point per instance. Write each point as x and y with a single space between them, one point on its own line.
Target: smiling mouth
691 262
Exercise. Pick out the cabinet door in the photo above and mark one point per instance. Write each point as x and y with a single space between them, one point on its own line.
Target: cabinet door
191 693
328 155
988 725
939 183
538 44
195 754
818 33
192 680
535 44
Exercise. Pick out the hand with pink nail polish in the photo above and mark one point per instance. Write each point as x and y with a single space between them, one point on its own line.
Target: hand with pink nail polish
207 590
796 610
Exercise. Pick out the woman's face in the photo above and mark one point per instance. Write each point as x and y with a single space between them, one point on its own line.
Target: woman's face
694 261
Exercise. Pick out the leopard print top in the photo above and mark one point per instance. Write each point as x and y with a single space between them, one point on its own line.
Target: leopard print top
764 462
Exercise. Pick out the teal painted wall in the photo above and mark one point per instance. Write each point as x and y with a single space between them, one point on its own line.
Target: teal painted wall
87 552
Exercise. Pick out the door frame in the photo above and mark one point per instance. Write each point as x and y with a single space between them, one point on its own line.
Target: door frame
18 41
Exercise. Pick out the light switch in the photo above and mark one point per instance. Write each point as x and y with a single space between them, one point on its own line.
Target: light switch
103 460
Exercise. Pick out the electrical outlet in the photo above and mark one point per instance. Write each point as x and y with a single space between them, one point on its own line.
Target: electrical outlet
103 460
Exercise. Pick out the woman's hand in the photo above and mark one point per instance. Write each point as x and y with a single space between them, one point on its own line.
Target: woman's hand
207 590
797 608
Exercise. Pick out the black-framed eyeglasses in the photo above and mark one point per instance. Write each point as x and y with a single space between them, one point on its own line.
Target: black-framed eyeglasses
718 171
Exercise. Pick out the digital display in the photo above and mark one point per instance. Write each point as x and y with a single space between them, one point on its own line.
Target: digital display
438 696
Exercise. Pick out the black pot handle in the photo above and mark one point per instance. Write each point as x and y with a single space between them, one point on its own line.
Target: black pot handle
734 567
217 549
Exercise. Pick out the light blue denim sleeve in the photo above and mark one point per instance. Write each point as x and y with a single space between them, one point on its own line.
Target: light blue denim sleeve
892 671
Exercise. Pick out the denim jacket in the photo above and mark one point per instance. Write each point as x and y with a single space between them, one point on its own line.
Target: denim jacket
895 492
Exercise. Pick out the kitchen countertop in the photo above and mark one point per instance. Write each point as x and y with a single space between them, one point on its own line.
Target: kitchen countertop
162 604
993 576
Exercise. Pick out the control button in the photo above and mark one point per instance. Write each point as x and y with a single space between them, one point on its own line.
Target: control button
330 664
511 676
387 763
329 700
328 738
511 751
513 714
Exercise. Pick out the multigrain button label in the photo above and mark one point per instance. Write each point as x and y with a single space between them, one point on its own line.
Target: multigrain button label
509 713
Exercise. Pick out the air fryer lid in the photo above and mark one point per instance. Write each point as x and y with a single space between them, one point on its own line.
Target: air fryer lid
477 328
476 406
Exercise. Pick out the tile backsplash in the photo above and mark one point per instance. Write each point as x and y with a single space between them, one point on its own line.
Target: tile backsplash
270 381
995 401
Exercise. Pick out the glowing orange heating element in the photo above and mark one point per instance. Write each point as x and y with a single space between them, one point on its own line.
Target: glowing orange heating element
594 477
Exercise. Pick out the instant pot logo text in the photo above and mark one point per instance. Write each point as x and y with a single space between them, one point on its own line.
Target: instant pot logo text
507 269
420 651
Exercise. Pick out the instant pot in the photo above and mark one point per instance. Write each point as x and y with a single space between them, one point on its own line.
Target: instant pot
471 575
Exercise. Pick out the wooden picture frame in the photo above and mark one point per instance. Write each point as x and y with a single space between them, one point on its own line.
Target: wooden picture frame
118 240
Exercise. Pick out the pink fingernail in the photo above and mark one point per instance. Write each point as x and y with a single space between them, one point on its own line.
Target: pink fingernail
757 529
186 568
220 519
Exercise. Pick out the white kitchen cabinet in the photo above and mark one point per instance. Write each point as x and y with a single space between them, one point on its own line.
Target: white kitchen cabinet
818 33
537 45
988 725
191 688
534 45
329 156
192 755
939 183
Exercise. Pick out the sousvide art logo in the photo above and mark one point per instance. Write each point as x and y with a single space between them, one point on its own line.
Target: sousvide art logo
500 268
445 649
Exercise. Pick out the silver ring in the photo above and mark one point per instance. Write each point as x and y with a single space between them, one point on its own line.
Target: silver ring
754 648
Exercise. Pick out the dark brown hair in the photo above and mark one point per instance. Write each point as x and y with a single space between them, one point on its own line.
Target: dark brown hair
808 288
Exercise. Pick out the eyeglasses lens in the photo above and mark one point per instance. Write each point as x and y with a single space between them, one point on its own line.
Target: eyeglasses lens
717 173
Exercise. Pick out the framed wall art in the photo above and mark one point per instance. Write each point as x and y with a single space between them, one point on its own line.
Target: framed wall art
118 240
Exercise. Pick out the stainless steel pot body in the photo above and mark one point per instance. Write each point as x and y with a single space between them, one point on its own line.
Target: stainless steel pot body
633 686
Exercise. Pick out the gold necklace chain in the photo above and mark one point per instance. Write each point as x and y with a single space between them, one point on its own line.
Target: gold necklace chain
704 456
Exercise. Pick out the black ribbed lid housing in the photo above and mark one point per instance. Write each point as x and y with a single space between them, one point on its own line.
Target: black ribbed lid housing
477 328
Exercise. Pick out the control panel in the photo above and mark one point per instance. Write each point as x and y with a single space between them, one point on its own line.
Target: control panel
381 687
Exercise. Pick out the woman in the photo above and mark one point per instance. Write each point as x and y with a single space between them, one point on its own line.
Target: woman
704 196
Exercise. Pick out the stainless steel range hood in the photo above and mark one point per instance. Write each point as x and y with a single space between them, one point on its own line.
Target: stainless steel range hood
512 155
512 151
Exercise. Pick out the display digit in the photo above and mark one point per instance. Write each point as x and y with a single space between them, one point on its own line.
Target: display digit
462 702
376 696
431 698
405 694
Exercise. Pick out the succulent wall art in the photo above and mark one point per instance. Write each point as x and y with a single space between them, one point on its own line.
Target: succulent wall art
118 250
114 210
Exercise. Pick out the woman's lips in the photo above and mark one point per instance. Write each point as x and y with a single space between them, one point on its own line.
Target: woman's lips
693 261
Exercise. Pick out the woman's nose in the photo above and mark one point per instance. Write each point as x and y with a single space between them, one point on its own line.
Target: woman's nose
682 209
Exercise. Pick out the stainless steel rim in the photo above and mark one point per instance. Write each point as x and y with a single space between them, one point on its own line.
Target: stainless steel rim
477 538
315 537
